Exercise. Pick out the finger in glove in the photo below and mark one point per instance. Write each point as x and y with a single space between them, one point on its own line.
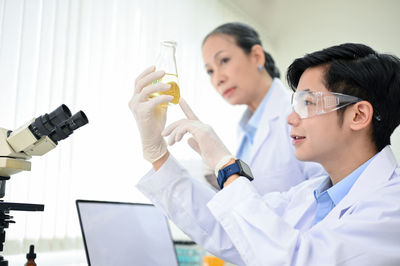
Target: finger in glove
147 79
187 110
159 101
176 131
194 145
153 88
142 75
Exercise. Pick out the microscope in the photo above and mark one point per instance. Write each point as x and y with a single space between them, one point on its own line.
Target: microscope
35 138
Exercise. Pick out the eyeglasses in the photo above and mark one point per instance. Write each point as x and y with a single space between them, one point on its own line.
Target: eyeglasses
311 103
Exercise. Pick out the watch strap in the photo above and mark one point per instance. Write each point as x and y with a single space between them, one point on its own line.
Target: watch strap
226 172
224 160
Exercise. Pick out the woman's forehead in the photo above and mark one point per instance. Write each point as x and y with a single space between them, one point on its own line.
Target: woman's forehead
217 43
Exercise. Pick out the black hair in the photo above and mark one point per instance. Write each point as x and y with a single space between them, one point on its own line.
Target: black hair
246 37
358 70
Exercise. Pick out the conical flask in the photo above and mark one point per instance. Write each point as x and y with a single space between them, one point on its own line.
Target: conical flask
166 61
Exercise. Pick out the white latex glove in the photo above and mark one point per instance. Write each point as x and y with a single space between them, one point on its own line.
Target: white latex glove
209 176
204 140
150 114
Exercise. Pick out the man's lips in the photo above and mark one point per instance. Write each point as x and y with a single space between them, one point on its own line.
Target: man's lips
297 139
227 93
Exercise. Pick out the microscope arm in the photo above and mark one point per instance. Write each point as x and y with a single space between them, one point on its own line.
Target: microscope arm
11 162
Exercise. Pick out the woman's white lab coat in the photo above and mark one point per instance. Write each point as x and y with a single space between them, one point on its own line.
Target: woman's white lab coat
240 226
272 160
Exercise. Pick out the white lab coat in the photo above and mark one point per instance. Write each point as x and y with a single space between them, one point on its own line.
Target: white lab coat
272 160
240 226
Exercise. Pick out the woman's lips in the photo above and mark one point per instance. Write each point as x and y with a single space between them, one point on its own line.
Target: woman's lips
228 93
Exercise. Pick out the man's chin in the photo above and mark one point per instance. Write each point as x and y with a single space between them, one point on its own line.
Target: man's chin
302 156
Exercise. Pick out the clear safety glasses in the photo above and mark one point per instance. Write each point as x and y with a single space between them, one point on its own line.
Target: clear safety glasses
311 103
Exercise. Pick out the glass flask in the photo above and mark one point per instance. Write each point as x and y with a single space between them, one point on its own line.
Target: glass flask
166 61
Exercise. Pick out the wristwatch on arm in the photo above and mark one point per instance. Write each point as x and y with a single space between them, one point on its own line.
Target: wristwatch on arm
238 167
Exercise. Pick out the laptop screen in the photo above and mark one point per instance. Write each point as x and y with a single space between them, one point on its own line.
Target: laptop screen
116 233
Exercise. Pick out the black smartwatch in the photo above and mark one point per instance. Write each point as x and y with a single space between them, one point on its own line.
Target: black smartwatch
239 167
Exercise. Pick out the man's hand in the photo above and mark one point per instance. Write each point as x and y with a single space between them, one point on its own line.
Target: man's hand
204 140
150 114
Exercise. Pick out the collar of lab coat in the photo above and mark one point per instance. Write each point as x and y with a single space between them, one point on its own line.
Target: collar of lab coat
277 104
378 172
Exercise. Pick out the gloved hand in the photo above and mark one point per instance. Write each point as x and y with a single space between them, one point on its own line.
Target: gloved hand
204 140
150 113
210 177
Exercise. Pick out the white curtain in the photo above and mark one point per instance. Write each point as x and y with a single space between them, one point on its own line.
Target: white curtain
86 54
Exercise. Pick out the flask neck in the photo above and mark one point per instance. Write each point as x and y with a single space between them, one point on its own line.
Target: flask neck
166 60
168 49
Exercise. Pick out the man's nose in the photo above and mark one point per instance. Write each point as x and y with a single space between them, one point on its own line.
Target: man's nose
293 119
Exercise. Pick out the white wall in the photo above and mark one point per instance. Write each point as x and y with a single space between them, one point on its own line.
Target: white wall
86 54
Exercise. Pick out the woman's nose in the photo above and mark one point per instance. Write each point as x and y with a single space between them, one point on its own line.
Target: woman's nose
219 78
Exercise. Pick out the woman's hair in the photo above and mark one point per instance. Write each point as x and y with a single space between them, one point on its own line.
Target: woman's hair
246 37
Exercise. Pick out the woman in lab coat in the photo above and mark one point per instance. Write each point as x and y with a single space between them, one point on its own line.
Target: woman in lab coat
243 73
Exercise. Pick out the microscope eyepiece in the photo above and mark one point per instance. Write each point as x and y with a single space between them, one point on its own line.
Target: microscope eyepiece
41 134
45 124
77 120
67 127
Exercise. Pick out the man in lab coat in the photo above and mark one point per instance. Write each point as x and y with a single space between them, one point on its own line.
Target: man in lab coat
346 106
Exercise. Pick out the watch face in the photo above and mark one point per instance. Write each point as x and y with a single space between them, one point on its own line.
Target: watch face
246 169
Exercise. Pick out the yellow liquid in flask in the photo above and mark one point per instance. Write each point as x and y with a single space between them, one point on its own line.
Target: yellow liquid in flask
171 79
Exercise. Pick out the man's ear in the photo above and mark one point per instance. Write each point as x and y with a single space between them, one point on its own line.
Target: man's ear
257 53
362 115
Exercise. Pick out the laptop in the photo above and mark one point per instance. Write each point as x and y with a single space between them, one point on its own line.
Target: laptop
119 233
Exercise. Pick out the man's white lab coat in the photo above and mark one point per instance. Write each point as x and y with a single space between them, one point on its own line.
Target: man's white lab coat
240 226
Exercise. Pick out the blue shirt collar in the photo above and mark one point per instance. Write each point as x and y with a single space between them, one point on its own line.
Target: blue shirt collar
340 190
250 121
324 186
